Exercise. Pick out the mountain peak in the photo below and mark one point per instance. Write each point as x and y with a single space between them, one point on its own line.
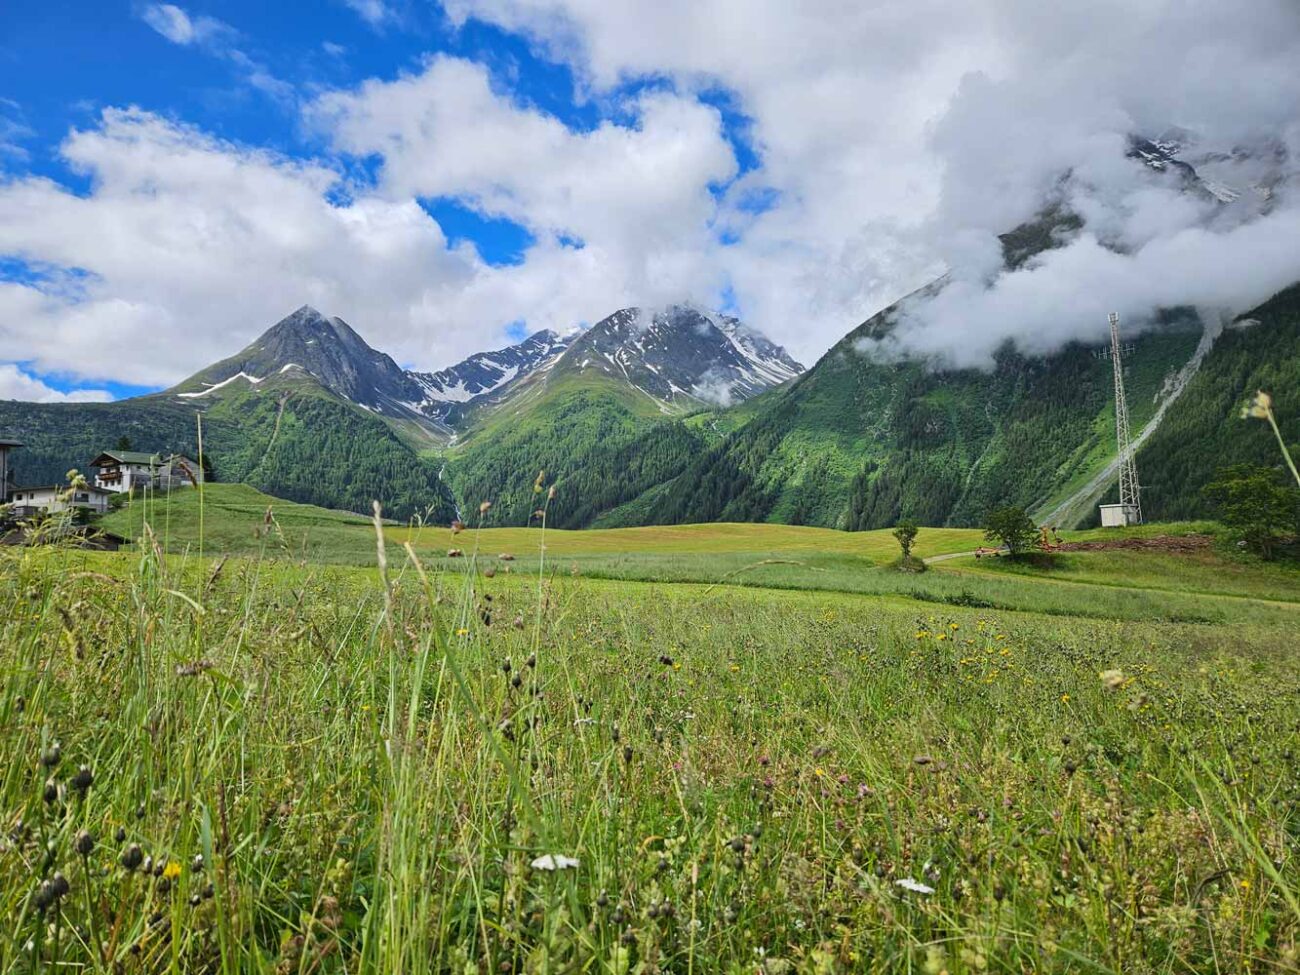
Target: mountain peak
304 317
307 344
450 392
680 353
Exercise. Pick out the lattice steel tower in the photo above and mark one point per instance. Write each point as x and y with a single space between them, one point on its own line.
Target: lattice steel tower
1130 493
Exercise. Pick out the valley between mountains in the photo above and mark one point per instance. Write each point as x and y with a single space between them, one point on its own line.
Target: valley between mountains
680 415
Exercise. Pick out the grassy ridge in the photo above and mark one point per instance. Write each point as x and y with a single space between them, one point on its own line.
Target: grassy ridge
764 556
1205 573
234 511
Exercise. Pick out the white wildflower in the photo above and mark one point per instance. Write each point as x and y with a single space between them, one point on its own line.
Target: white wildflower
915 886
555 861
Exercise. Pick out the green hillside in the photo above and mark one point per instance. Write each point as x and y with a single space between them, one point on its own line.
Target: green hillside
294 440
1205 432
859 443
601 442
58 437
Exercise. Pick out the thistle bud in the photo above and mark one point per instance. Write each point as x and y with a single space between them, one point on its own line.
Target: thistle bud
44 895
84 843
50 757
83 779
132 856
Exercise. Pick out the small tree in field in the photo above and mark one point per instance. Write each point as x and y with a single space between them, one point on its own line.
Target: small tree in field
1012 527
1256 506
905 532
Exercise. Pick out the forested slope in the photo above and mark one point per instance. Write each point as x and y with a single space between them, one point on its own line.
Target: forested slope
1205 431
859 443
600 444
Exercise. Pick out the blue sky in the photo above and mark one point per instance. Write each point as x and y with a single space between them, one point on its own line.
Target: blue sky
242 71
450 176
63 63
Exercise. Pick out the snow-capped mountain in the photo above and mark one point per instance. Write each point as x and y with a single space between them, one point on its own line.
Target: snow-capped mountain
306 344
681 355
448 392
1242 176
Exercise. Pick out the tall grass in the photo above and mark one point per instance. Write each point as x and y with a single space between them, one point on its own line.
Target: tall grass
338 770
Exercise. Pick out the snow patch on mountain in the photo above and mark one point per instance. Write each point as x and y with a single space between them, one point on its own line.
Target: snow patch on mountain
212 388
485 374
681 355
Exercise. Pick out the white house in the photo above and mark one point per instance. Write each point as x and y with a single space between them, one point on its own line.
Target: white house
124 470
56 497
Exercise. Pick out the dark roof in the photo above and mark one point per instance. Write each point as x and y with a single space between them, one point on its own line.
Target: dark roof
131 457
6 442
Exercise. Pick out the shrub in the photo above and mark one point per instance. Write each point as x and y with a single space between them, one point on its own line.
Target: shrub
1256 505
1012 527
905 532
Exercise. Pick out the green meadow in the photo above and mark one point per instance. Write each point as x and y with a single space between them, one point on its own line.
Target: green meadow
253 746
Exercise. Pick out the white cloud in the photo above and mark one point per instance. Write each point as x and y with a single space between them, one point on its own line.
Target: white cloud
14 131
373 12
903 136
895 138
170 21
218 39
16 384
187 247
173 23
637 195
191 246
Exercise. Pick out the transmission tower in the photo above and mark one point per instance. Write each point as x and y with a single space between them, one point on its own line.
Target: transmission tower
1130 493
